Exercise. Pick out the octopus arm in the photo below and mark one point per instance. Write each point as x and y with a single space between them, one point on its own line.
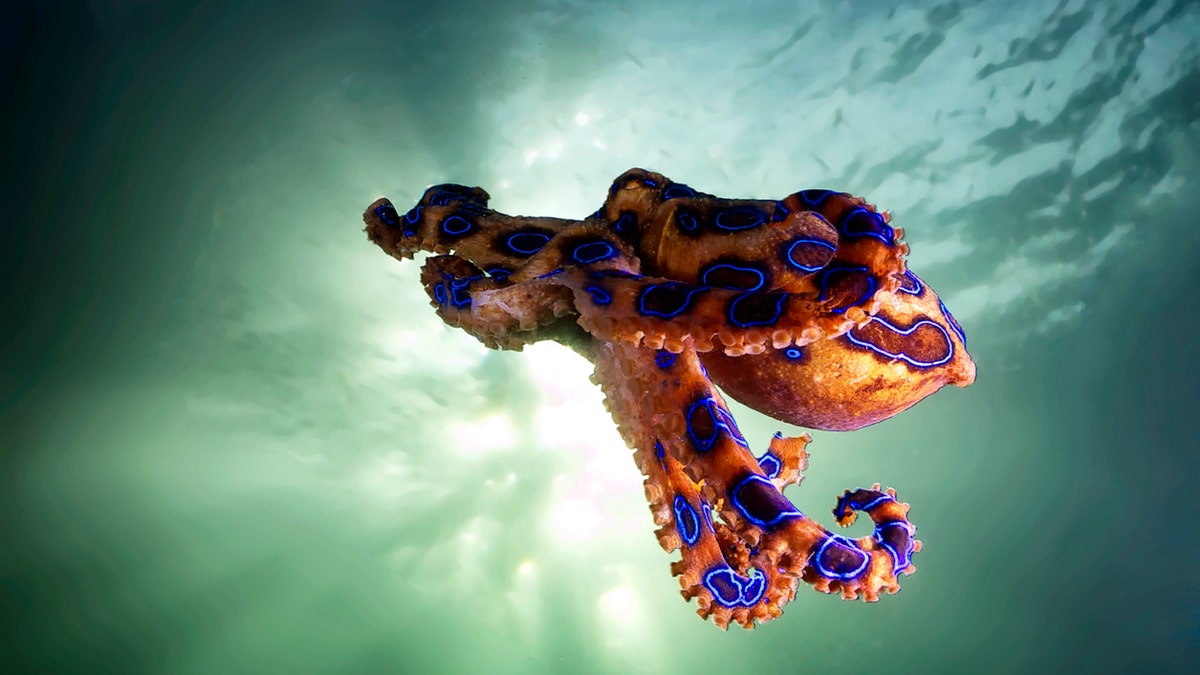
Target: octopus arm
744 566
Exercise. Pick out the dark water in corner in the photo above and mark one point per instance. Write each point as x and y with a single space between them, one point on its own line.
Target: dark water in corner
236 439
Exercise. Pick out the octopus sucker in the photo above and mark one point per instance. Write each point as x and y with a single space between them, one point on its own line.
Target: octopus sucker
802 308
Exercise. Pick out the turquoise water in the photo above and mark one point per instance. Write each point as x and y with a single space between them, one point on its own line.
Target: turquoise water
236 438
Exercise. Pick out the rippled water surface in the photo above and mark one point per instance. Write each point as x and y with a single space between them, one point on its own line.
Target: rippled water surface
237 439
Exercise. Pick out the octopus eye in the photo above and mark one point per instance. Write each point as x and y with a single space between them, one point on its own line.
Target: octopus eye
839 285
809 255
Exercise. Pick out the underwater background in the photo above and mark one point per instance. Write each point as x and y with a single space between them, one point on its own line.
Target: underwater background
236 438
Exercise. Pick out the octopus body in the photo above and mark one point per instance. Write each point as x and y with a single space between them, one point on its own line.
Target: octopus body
801 308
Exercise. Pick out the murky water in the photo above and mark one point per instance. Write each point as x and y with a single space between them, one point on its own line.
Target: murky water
237 439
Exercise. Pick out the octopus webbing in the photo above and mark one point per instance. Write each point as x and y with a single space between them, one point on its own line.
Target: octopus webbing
801 308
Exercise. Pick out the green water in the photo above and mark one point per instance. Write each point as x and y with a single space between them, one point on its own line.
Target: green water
236 438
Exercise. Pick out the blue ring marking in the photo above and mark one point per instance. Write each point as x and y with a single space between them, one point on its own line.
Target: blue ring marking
730 589
650 182
412 217
459 289
677 190
899 560
876 230
686 221
902 356
911 279
443 198
595 216
808 241
549 274
526 243
813 198
845 543
593 251
824 281
952 321
387 213
687 523
626 222
613 274
599 295
465 227
781 212
848 502
770 464
439 293
721 419
450 193
705 444
876 502
762 278
730 425
659 453
471 208
460 297
793 353
664 359
668 286
499 273
733 308
757 217
781 514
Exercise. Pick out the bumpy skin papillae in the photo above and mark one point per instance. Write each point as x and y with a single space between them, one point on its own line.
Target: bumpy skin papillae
801 308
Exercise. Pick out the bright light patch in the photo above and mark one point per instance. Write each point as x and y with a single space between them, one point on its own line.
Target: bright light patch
575 520
581 118
619 603
487 435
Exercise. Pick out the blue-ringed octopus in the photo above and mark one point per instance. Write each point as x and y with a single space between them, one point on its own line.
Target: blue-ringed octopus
801 308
